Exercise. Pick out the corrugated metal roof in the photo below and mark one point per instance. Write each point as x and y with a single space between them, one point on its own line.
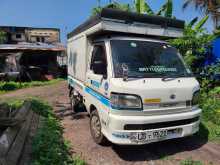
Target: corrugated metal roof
33 46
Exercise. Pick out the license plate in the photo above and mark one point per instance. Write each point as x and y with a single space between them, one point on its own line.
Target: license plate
148 136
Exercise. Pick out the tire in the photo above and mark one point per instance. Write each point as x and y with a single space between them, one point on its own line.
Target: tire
74 103
95 128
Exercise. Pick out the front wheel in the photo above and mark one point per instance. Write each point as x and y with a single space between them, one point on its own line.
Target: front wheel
95 128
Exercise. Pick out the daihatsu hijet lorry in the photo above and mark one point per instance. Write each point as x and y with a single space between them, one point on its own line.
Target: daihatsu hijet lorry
135 86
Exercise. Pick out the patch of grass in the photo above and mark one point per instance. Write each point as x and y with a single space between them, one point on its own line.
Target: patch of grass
49 146
190 162
11 85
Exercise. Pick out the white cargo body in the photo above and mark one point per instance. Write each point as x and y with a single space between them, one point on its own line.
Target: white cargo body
134 85
78 40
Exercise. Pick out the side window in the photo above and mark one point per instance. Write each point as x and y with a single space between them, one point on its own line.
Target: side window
99 61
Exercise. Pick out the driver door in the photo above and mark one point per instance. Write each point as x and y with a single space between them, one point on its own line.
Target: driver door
97 72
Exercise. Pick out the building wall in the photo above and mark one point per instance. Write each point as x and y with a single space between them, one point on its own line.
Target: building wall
43 35
28 34
18 37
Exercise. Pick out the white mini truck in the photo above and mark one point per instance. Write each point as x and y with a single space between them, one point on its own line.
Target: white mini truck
135 86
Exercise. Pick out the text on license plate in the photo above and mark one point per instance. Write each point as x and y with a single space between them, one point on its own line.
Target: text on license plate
147 136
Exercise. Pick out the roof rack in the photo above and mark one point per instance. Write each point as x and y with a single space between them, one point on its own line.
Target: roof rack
112 20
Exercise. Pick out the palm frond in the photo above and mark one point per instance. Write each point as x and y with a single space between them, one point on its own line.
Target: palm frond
169 9
186 4
199 25
148 9
162 9
192 22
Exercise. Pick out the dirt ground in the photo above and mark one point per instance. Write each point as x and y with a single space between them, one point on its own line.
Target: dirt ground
76 130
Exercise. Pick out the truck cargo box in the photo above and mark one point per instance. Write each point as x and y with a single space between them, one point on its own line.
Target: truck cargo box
110 22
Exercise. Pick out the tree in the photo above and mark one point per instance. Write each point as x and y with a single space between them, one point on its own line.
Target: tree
194 43
142 7
208 6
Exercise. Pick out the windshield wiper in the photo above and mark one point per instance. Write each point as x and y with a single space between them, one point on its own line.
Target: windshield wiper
168 78
172 77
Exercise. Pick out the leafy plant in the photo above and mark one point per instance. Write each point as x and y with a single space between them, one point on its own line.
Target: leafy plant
113 5
142 7
138 6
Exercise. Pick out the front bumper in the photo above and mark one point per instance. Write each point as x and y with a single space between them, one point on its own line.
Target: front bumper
116 132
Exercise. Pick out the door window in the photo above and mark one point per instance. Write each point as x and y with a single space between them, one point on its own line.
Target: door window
99 62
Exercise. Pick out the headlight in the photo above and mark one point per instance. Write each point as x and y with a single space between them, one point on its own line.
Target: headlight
195 99
125 101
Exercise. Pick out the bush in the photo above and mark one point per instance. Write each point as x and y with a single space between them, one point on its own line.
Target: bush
9 86
193 46
210 104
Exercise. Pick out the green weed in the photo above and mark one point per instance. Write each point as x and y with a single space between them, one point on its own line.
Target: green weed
190 162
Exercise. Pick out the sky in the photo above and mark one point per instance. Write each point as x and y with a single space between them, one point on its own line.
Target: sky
68 14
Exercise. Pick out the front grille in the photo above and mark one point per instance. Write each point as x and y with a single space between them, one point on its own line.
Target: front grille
168 105
160 125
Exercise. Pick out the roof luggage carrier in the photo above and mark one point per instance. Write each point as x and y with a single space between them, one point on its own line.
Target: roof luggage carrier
111 21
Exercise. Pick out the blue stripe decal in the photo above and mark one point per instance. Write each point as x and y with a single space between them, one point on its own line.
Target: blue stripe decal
73 82
101 98
95 83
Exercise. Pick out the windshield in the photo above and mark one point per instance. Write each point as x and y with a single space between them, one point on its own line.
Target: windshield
147 59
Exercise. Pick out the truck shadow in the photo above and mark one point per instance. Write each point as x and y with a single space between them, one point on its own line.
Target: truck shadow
64 110
163 149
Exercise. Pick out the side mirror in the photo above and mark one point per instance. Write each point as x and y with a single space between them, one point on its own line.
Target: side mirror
105 76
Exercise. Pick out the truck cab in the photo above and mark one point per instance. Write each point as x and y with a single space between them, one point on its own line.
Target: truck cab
137 89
